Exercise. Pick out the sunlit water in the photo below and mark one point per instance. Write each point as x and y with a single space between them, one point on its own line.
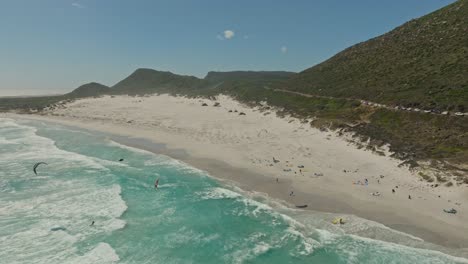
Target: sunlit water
191 218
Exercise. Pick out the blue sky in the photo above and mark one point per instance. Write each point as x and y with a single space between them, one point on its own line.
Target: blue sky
53 46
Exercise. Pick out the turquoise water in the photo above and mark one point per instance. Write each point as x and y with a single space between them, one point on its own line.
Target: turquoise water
192 218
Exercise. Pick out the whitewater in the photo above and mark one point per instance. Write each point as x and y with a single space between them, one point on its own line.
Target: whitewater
190 218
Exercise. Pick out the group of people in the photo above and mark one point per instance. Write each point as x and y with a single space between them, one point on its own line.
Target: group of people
366 182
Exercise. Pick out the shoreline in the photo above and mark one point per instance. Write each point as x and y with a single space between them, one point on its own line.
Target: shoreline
324 194
227 174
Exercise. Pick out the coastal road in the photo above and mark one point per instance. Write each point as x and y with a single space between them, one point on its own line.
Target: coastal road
394 108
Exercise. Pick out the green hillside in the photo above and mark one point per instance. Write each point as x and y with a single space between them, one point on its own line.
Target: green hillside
423 63
148 81
260 76
89 89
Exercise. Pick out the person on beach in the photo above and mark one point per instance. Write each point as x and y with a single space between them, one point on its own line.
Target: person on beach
292 193
393 190
277 180
409 197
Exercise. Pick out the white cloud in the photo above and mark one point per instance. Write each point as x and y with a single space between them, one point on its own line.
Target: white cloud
78 5
284 49
228 34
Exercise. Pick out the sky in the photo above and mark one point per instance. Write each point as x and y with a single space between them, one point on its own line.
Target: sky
54 46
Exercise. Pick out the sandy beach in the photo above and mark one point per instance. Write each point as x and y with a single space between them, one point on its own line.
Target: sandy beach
262 152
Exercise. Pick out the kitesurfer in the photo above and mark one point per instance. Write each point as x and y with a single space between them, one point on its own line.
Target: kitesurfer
156 183
37 165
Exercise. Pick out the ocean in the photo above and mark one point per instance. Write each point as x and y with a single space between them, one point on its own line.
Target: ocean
190 218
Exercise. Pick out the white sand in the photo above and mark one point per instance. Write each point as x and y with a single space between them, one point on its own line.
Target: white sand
251 141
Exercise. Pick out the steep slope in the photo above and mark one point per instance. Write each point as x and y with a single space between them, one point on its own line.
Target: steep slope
423 63
151 81
89 89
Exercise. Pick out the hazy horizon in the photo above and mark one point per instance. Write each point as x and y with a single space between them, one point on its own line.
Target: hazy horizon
53 46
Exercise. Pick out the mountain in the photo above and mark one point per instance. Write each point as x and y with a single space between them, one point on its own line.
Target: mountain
147 81
151 81
422 63
89 89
